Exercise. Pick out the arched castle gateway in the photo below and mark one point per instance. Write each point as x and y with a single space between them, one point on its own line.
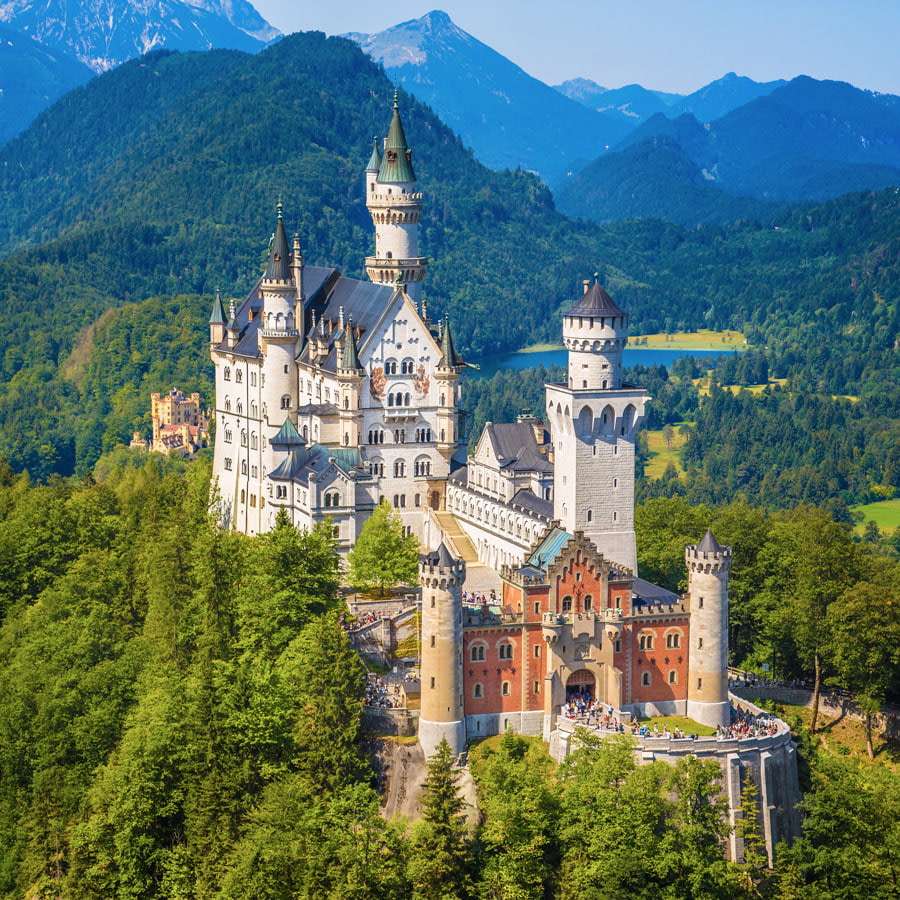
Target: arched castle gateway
333 394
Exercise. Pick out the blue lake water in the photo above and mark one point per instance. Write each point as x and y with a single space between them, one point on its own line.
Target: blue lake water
633 356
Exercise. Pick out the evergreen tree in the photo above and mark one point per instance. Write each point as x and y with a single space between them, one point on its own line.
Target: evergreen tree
384 556
438 864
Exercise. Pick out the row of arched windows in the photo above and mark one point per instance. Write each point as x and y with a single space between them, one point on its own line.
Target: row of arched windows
407 367
478 650
398 398
647 678
647 638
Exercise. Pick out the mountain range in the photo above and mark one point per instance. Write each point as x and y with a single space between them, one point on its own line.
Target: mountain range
734 148
48 47
510 119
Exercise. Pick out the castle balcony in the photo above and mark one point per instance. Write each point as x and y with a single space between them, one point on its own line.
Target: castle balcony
398 200
551 626
284 334
374 262
393 413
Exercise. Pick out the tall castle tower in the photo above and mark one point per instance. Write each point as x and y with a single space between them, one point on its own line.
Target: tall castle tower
396 208
442 577
708 564
281 332
594 419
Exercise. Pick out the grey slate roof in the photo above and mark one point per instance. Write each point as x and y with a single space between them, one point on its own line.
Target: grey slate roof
516 447
440 557
595 302
646 592
530 502
278 267
709 544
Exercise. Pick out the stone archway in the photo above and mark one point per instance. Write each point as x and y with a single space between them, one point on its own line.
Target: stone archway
581 683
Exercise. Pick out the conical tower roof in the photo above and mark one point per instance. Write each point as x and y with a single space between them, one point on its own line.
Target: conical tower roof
375 159
279 265
441 557
595 302
396 167
218 317
448 350
709 544
350 359
288 437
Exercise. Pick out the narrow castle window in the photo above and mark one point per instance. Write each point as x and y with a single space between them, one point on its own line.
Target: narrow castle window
477 691
239 376
673 677
504 690
645 679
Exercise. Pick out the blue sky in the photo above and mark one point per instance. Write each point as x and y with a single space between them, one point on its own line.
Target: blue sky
662 44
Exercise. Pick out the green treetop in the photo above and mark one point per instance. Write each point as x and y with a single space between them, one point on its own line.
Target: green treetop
384 555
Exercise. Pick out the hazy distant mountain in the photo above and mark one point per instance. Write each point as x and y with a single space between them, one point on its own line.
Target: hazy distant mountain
31 78
632 100
721 96
104 33
710 102
508 118
806 140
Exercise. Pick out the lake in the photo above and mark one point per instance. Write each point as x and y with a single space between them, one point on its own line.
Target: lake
633 356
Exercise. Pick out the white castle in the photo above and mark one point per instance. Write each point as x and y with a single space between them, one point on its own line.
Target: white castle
333 394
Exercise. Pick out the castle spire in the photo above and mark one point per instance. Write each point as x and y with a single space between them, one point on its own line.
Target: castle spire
350 358
448 349
278 266
396 166
375 159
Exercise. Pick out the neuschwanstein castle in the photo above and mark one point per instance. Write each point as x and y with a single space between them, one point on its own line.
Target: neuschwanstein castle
333 393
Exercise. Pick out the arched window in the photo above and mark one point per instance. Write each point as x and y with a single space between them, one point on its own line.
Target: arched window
228 404
332 498
243 438
399 468
253 443
673 640
227 435
390 367
505 650
478 690
376 467
243 467
240 408
239 375
227 374
567 604
590 515
645 642
673 677
588 602
504 689
254 413
280 491
406 367
286 402
228 463
645 679
346 403
476 652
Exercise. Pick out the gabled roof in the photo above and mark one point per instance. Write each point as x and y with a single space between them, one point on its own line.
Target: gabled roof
396 165
595 302
515 447
549 548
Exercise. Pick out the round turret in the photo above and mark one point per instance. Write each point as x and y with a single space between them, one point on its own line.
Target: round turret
595 332
442 576
708 565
